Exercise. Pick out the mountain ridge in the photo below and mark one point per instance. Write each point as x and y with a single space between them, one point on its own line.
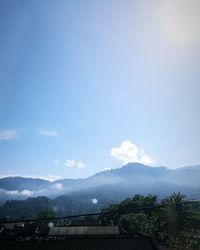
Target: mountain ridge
132 176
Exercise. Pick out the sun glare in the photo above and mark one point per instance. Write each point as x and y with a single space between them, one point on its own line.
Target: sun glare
180 20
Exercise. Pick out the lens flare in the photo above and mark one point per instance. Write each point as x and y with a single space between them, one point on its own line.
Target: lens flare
94 201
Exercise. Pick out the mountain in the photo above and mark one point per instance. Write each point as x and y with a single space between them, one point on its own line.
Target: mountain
26 197
129 179
21 183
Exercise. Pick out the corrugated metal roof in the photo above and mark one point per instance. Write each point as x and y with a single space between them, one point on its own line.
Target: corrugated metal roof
13 225
99 230
97 243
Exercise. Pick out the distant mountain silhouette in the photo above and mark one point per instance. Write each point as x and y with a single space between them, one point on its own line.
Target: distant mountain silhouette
21 183
119 183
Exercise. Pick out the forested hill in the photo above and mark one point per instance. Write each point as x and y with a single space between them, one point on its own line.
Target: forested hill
107 187
127 180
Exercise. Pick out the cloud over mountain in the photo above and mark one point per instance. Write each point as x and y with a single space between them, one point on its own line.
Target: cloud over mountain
129 152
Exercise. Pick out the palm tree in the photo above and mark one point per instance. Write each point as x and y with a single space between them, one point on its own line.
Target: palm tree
176 211
175 198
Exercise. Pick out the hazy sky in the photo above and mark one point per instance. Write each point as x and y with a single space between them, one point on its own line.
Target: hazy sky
89 85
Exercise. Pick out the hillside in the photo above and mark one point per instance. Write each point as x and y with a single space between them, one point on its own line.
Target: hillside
131 178
69 196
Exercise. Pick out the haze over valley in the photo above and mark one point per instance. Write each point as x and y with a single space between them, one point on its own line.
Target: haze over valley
97 191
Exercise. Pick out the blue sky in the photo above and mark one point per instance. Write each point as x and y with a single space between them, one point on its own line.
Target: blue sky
89 85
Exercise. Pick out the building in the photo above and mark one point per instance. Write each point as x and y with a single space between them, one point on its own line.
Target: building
73 238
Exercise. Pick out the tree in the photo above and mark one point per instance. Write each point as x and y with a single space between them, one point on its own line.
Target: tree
135 223
136 214
176 212
174 199
46 215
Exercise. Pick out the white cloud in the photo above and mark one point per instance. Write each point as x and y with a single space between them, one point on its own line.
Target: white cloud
107 169
129 152
12 192
49 177
8 134
70 163
46 132
76 164
58 186
80 164
24 192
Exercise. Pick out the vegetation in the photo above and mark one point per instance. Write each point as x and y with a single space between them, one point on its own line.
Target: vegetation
61 206
46 215
172 222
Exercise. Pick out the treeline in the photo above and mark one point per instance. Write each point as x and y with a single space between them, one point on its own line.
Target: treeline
172 221
60 206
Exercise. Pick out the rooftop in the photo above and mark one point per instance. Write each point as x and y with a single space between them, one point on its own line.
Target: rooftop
84 230
85 243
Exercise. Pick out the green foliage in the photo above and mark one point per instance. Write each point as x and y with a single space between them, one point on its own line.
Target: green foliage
138 223
176 213
62 205
187 240
134 215
138 203
175 198
175 224
46 215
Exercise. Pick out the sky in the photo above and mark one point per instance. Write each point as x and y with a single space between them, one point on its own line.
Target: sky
92 85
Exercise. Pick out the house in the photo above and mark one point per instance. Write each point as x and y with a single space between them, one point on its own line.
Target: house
84 230
79 238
